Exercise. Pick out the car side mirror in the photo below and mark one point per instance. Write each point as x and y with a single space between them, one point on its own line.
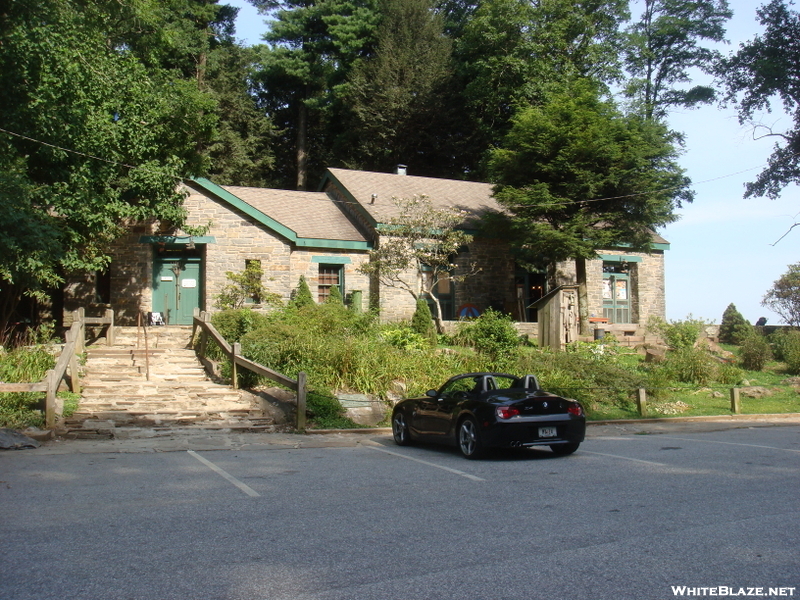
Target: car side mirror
432 393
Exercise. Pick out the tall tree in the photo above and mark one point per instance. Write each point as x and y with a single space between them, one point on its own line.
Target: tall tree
761 72
91 138
510 51
242 151
577 175
664 44
395 96
312 47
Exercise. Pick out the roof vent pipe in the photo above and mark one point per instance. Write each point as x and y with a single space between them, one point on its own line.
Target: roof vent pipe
374 197
401 170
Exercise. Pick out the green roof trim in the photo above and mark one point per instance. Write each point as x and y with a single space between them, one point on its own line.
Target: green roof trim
331 260
274 225
653 246
177 239
620 258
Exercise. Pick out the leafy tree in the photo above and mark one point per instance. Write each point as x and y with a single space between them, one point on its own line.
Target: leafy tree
417 249
576 176
241 152
665 44
245 286
764 70
733 328
92 138
784 296
511 51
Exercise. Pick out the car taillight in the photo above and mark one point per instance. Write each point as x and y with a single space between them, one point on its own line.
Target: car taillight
575 409
506 412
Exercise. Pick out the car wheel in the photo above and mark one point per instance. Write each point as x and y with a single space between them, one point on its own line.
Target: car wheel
402 437
469 438
564 449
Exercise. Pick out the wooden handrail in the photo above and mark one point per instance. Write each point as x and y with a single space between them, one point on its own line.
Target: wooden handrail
233 351
75 343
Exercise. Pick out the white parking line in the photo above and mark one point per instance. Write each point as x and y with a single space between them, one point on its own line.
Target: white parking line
430 464
730 443
242 486
647 462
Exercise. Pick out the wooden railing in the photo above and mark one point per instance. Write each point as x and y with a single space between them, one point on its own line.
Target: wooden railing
75 344
233 351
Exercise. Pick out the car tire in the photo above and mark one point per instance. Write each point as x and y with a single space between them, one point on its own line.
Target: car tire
469 438
564 449
400 431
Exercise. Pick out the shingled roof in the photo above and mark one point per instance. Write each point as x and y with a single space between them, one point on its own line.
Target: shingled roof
361 186
308 214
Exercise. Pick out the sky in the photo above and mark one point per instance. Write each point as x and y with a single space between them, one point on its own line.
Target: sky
724 249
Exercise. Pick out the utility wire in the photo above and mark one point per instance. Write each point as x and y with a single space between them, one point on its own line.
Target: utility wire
127 166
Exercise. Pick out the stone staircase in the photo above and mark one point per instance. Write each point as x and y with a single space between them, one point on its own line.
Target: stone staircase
119 401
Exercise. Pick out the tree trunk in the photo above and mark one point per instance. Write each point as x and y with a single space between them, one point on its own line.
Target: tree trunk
583 296
302 141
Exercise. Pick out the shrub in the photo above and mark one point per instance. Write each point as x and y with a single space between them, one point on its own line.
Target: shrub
25 364
422 322
734 329
235 324
754 352
243 287
678 334
691 365
786 347
492 335
302 295
404 338
335 297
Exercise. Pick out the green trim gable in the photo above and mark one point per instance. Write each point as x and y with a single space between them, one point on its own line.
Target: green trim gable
270 223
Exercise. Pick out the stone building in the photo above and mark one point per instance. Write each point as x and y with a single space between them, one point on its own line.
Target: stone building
326 236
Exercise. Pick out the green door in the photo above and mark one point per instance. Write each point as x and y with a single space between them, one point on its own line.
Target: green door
177 287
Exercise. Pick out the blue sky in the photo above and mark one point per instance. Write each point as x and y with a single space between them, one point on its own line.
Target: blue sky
723 249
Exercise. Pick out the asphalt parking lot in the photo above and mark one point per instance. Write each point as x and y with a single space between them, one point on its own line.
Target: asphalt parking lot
639 512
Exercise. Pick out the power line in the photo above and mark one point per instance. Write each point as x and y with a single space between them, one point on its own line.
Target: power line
178 178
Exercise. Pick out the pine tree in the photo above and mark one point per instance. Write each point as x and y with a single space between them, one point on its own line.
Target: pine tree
734 329
422 321
302 295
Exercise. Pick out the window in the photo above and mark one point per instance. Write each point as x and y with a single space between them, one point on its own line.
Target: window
329 276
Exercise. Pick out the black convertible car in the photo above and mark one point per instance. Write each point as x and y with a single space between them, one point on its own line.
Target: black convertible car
476 411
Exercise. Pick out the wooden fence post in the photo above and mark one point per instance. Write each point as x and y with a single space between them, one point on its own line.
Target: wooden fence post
236 349
74 377
80 316
111 335
301 401
641 402
50 399
203 334
736 405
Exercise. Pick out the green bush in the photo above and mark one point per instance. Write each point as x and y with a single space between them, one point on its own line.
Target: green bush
302 295
422 322
691 365
786 347
25 364
404 338
754 352
734 329
678 334
492 335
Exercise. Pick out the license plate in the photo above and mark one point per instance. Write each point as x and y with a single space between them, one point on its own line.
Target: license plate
547 432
